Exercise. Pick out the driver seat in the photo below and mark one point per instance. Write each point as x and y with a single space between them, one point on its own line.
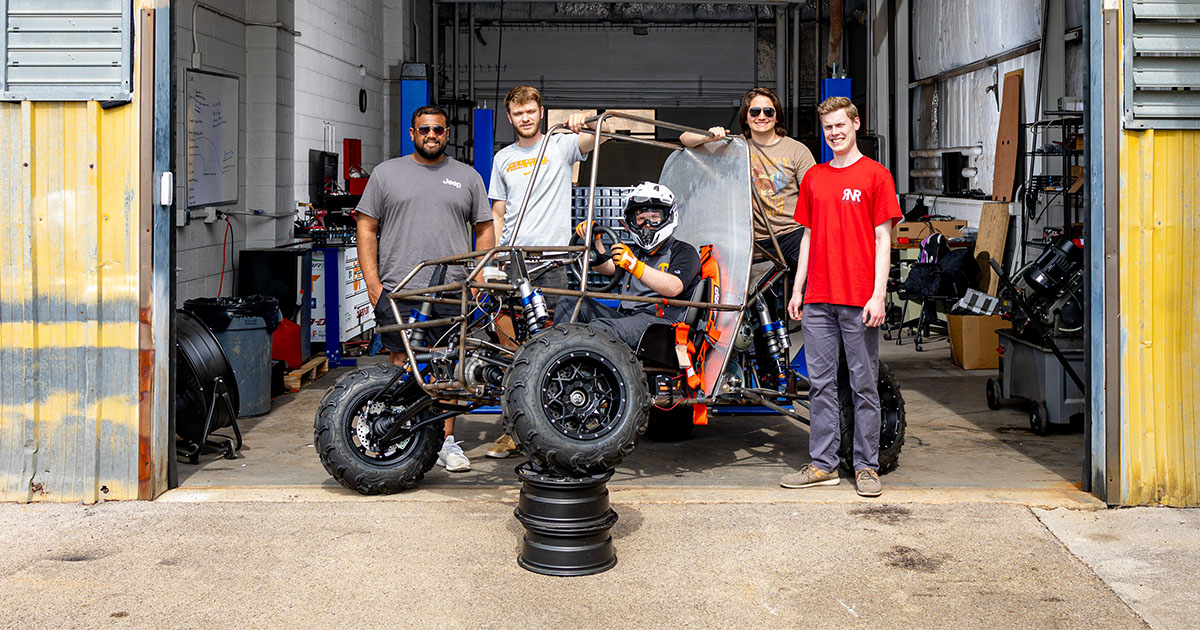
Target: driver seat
657 345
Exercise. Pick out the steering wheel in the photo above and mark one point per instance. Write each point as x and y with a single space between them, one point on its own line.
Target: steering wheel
595 258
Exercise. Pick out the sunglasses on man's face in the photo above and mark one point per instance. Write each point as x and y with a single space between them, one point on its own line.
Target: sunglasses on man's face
437 130
769 112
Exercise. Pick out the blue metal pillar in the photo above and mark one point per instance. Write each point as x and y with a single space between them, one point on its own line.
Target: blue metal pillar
414 94
484 135
832 87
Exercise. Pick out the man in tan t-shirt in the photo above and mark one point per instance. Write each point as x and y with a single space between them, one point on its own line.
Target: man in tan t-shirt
777 164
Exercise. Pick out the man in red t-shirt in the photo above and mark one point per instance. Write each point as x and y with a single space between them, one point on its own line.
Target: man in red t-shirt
849 207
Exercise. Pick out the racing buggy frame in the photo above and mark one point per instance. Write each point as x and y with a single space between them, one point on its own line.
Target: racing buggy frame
575 398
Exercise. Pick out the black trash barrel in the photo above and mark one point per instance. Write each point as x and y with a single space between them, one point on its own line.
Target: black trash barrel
567 522
243 326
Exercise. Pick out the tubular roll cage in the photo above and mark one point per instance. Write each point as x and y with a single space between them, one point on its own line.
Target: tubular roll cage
457 388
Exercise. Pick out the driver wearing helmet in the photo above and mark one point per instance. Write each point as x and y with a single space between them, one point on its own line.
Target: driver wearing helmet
656 265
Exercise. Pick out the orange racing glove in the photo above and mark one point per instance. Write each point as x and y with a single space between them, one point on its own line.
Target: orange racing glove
581 230
624 258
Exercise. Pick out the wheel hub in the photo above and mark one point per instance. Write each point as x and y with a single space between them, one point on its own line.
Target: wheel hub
368 426
582 395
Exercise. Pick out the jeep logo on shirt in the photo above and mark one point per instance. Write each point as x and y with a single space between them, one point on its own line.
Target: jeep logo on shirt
852 195
451 182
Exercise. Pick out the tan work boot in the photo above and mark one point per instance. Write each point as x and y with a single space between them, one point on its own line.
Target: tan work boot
809 476
503 447
866 481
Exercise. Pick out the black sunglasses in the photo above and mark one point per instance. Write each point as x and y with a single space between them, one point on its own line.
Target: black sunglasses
755 111
437 130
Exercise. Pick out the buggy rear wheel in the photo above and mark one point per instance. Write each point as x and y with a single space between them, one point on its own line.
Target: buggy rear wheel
892 420
575 400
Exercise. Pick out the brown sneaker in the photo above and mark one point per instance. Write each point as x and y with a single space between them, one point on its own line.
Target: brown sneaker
809 476
866 481
503 447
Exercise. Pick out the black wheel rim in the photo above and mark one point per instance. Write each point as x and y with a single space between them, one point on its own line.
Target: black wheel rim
359 432
889 407
583 395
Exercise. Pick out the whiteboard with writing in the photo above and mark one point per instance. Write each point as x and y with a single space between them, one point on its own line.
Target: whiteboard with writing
212 138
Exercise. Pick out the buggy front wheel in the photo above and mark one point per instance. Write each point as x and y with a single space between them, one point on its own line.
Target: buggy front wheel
575 400
355 414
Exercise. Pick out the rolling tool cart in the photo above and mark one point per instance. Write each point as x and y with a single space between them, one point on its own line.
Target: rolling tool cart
1042 356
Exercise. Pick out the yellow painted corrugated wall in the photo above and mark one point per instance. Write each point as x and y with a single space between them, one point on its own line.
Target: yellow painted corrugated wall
69 281
1160 317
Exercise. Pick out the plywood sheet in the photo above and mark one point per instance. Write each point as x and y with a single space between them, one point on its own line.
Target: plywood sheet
1007 138
993 234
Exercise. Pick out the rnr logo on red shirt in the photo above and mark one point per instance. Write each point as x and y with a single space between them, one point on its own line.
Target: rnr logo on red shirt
852 195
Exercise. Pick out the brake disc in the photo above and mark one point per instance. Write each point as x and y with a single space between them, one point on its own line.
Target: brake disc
367 437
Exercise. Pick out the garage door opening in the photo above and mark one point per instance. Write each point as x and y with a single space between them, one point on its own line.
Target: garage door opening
985 136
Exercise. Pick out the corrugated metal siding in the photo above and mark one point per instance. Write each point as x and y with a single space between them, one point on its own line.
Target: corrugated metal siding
69 279
65 49
1160 317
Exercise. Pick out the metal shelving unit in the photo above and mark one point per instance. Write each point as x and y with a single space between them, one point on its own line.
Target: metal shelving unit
1051 163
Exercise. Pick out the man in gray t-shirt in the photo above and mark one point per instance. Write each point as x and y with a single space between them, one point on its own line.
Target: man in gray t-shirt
417 208
548 215
423 212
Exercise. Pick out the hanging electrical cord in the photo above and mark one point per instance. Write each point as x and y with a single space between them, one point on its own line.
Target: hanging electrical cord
232 251
224 239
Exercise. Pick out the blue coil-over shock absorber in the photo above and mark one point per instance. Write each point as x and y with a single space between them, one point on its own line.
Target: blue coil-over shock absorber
774 334
533 306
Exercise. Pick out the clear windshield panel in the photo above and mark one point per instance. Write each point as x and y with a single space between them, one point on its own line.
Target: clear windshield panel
712 189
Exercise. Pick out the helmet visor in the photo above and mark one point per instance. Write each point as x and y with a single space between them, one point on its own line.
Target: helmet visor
649 217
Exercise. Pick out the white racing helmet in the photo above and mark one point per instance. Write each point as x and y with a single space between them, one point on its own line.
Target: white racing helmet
650 196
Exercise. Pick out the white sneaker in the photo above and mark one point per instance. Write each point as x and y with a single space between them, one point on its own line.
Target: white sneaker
451 456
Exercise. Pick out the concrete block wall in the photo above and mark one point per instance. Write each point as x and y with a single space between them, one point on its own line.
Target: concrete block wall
200 247
338 38
262 58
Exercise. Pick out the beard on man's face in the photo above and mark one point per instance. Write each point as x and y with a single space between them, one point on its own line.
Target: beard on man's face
430 155
532 132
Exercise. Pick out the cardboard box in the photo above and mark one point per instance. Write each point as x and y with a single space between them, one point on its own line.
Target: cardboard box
973 340
916 230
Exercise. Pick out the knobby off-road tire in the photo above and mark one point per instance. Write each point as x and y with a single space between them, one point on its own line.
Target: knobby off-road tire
891 412
338 431
575 400
670 425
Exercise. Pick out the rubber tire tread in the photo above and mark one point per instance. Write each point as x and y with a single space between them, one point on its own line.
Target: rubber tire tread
1039 419
889 458
525 419
337 409
992 394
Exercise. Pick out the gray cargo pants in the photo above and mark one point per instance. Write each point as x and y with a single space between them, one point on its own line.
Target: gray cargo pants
626 326
827 328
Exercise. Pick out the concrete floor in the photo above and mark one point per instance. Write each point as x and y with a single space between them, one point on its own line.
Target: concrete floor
452 564
956 449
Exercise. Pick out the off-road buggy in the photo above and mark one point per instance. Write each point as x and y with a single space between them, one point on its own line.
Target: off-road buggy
574 398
